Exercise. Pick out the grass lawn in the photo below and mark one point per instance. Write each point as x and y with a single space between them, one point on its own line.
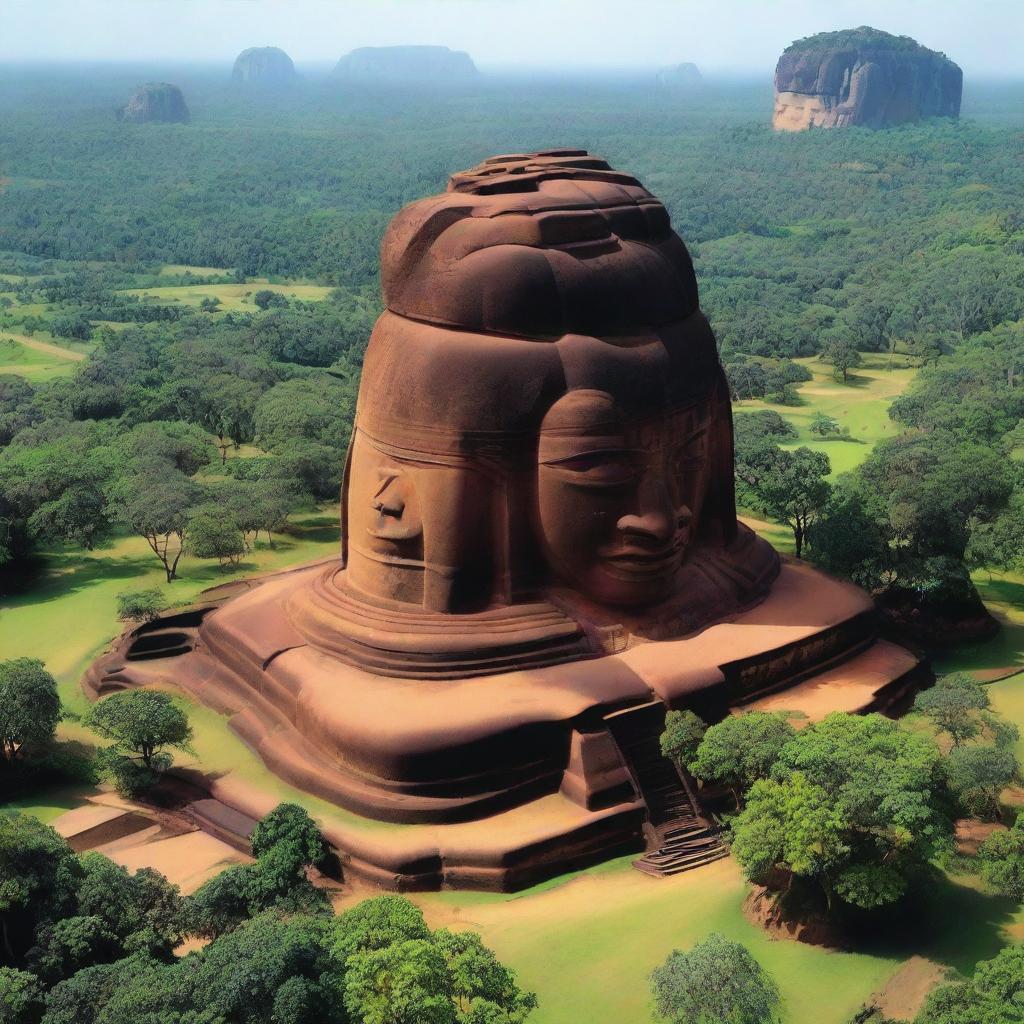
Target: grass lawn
31 363
862 407
232 296
70 612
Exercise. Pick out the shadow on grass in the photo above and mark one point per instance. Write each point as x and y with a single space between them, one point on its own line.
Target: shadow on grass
952 924
59 575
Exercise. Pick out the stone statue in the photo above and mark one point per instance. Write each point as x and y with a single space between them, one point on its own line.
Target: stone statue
539 551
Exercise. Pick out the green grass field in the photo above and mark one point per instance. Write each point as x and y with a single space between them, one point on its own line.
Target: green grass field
861 407
31 363
232 296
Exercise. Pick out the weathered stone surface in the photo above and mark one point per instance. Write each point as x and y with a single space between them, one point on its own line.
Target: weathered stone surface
266 65
681 77
406 64
156 102
862 77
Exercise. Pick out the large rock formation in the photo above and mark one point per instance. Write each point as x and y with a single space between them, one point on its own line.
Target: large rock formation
406 64
155 102
265 65
683 77
862 76
540 556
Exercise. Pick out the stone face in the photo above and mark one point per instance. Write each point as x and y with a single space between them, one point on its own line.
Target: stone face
266 65
540 553
862 77
406 64
681 77
156 102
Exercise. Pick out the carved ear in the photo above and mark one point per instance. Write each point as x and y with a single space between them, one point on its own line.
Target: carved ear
345 477
720 504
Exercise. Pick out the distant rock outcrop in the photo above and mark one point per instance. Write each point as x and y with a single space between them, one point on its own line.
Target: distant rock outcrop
406 64
681 76
155 101
266 65
862 76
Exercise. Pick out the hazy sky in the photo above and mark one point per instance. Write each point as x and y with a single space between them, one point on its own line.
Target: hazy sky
983 36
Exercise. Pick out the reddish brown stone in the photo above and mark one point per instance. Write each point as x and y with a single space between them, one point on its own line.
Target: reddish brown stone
538 533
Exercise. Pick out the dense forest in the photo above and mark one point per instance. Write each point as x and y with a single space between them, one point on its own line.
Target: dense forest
909 240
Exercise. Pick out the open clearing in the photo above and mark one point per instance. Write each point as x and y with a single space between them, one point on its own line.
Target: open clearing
34 359
861 407
231 296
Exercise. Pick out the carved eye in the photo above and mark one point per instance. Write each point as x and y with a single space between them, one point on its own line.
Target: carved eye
606 468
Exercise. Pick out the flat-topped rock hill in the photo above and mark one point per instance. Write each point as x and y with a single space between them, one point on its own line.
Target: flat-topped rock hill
684 76
265 65
155 102
862 76
406 64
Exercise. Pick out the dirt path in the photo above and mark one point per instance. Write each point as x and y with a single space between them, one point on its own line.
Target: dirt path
45 346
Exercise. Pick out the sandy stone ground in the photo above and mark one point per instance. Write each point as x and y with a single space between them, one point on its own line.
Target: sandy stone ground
134 836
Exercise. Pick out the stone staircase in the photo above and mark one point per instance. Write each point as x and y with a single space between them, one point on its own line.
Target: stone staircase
679 837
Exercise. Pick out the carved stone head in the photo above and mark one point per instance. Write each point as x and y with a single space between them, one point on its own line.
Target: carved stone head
542 414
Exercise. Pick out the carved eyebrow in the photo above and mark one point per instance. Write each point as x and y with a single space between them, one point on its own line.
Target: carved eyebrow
385 483
609 452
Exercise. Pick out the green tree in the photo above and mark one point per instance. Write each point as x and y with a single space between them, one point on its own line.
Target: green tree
404 983
1002 860
842 356
29 707
953 705
221 904
856 806
977 775
155 500
289 825
142 724
376 923
265 298
482 988
141 605
741 749
142 909
790 486
185 445
38 878
211 535
285 843
21 997
993 996
716 981
65 947
824 426
683 732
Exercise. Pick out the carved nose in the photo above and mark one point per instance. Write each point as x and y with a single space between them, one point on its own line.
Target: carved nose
393 507
656 523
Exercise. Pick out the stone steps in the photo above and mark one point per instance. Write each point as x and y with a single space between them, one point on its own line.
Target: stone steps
683 838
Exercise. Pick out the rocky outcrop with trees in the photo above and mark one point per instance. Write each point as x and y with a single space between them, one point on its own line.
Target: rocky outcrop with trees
862 76
685 76
263 65
406 64
156 102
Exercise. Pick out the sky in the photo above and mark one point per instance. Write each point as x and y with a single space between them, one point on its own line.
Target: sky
983 36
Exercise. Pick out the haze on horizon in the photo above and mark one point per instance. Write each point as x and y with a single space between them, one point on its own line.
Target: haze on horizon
728 35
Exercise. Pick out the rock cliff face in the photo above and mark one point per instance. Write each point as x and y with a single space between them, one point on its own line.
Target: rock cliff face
266 65
862 77
406 64
681 76
156 101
